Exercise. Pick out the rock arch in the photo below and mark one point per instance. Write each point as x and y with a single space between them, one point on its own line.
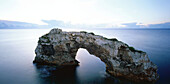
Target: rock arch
60 48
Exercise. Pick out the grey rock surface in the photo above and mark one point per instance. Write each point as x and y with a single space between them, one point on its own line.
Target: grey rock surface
59 48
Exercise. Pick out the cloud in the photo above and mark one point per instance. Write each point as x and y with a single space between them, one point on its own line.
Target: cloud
62 24
131 25
136 25
57 23
161 25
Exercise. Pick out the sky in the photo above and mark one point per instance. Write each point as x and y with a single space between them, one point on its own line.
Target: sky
90 12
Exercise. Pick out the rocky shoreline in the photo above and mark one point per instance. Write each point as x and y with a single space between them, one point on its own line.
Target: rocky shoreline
59 48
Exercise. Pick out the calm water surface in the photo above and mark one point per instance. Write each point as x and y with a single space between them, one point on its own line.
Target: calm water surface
17 53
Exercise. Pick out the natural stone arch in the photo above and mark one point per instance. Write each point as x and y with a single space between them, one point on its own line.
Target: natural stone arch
60 48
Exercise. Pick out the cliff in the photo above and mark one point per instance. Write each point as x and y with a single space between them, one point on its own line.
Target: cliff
59 48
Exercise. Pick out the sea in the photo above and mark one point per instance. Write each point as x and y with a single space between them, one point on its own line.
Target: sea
17 52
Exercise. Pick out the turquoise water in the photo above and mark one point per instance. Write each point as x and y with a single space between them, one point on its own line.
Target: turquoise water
17 53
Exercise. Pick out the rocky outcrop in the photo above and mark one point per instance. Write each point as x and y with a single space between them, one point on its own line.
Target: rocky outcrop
60 48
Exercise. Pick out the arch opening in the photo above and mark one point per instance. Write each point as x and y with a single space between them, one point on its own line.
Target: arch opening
91 68
85 58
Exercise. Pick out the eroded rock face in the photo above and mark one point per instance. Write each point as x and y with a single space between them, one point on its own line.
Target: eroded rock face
60 48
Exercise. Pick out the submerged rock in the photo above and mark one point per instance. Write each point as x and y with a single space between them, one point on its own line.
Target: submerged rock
59 48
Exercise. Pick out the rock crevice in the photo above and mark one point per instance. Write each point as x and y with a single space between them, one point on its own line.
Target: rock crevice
60 48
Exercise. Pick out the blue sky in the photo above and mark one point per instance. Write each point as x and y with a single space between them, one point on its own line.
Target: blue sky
89 12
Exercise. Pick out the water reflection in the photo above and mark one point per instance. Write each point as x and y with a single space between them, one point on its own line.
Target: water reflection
54 75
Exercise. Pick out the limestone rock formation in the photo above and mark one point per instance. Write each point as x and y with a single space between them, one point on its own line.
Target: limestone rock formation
60 48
